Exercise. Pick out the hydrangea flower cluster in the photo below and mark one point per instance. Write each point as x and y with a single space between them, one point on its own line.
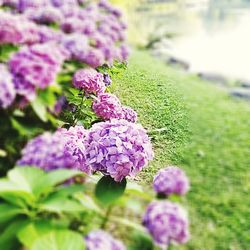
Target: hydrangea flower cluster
89 80
100 240
118 148
129 114
94 33
17 30
171 180
34 68
62 149
107 106
166 221
7 90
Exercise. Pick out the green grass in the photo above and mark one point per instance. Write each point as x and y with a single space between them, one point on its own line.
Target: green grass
207 133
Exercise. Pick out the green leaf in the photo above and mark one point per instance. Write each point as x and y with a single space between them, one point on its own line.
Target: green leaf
31 232
14 194
59 204
61 175
59 240
88 203
141 241
8 211
8 239
40 109
108 191
28 178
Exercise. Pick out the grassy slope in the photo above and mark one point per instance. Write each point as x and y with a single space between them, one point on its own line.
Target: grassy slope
206 133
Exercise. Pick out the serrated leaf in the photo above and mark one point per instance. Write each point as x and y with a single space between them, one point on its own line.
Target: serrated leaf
108 191
59 240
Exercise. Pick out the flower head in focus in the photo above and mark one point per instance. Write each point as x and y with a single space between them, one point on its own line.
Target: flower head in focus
107 106
89 80
118 148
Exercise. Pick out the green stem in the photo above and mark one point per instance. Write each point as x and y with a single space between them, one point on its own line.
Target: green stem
106 217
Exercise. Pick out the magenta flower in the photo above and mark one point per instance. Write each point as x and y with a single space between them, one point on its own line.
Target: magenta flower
7 90
89 80
166 221
62 149
107 106
171 180
94 57
17 30
35 67
101 240
129 114
118 148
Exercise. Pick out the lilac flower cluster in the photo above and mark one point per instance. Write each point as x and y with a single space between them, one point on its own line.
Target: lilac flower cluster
100 240
7 90
118 148
107 106
62 149
166 221
34 68
17 30
89 80
171 180
93 34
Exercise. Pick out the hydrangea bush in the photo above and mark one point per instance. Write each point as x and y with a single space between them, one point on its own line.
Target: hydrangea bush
60 123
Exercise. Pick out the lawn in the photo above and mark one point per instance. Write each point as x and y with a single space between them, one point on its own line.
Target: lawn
196 125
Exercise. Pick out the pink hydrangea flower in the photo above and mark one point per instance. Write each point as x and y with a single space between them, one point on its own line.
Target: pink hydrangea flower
107 106
118 148
89 80
171 180
166 221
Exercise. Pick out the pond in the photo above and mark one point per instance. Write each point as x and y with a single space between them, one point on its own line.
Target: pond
210 35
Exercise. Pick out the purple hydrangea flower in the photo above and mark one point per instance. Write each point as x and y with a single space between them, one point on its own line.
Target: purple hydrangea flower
118 148
107 106
62 149
129 114
35 67
101 240
89 80
7 90
77 45
17 30
171 180
94 57
166 221
45 15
